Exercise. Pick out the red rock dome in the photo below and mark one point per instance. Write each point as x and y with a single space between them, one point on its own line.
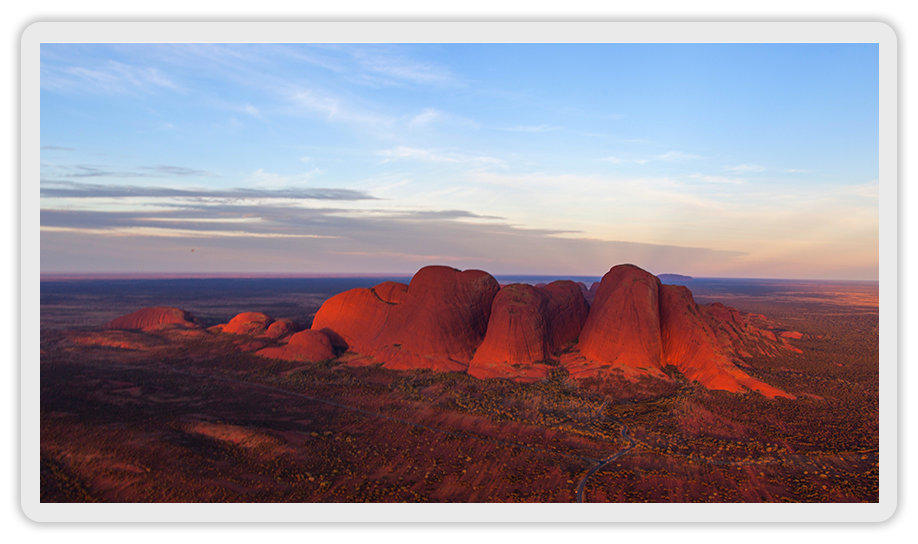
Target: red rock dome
517 335
623 326
157 317
281 328
441 321
248 323
305 346
392 292
353 319
566 313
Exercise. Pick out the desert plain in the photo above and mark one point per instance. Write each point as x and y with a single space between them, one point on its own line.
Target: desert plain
214 412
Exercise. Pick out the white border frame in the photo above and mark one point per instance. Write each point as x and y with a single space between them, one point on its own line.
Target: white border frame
440 32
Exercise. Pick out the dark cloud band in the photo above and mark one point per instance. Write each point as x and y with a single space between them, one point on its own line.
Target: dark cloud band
65 189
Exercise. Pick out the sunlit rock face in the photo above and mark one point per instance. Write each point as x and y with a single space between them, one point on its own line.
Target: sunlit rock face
623 326
691 345
353 319
528 326
517 336
148 319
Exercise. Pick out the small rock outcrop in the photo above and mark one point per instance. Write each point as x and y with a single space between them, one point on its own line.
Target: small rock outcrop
281 328
305 346
254 323
159 317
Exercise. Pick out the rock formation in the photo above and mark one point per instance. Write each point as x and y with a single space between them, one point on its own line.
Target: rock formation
517 336
441 321
450 320
255 323
149 319
282 327
623 327
691 345
353 319
463 321
306 346
528 325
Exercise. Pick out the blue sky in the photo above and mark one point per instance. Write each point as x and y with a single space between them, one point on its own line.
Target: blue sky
736 160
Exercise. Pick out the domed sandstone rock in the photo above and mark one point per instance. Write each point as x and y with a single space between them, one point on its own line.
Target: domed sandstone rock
248 323
623 326
148 319
305 346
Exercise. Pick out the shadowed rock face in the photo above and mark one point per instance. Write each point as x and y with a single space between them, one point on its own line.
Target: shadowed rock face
566 312
148 319
248 323
306 346
623 327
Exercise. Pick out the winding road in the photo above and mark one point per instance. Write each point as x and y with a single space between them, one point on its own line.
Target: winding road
606 461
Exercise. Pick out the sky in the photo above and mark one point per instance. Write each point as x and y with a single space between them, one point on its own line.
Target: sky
711 160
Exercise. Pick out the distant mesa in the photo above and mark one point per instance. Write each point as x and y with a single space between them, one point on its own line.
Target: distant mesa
149 319
450 320
673 278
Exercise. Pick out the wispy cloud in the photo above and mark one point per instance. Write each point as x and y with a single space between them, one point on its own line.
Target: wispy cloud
619 160
56 148
532 128
716 179
109 78
175 171
102 171
404 152
162 232
269 180
394 68
429 115
335 109
677 156
746 168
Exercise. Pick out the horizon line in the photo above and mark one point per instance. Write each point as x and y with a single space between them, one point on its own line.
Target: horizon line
72 276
